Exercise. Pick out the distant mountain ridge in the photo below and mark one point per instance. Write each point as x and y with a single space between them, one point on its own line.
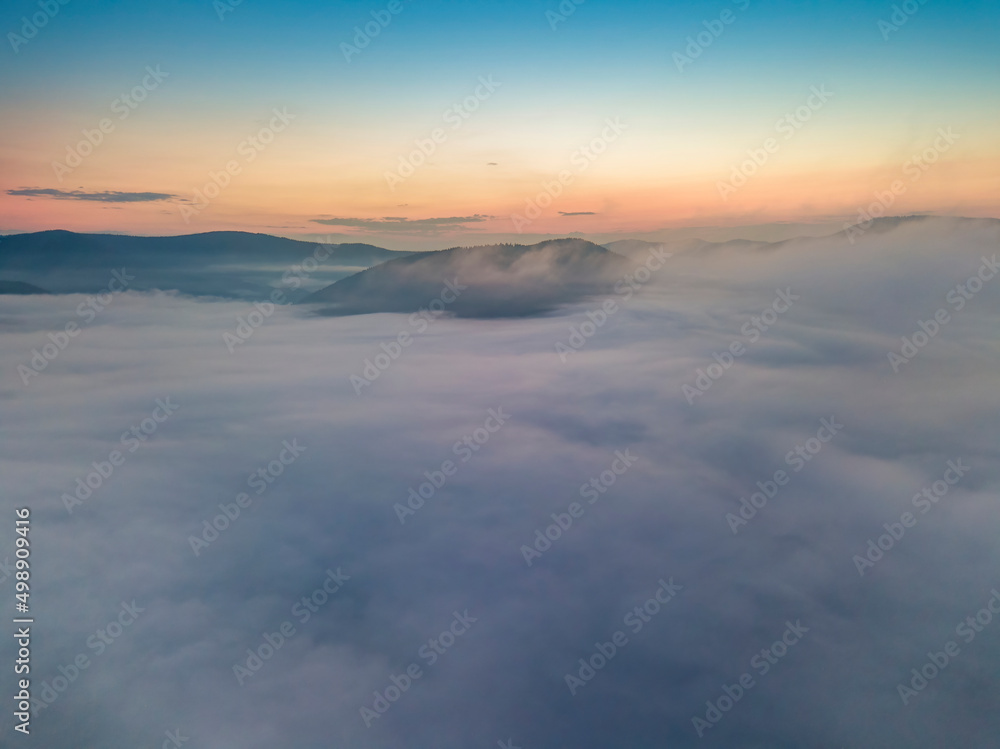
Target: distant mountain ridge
508 278
639 247
19 287
223 263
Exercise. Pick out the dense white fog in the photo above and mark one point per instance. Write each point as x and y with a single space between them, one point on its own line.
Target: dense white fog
646 424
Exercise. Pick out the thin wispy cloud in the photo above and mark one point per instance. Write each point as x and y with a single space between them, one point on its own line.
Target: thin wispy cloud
106 196
402 224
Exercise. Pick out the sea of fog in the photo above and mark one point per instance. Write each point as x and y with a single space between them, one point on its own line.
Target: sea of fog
751 503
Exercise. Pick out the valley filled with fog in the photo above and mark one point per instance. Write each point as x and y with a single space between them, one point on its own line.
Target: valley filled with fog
683 459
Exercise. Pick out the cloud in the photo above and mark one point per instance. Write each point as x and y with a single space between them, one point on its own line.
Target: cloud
108 196
665 517
401 224
577 213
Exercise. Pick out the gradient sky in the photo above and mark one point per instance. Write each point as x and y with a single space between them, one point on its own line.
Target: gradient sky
684 130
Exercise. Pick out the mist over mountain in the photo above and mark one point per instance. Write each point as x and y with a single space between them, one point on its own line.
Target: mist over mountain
637 248
633 246
502 280
490 281
225 263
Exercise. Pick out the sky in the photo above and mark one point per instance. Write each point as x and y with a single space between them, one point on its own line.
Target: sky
492 120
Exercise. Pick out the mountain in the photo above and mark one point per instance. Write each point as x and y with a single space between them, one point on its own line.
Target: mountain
639 248
19 287
228 264
885 224
498 280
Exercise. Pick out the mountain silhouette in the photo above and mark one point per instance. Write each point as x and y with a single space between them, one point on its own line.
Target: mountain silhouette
222 263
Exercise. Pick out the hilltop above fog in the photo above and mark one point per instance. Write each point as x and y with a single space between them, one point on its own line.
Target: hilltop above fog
490 281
